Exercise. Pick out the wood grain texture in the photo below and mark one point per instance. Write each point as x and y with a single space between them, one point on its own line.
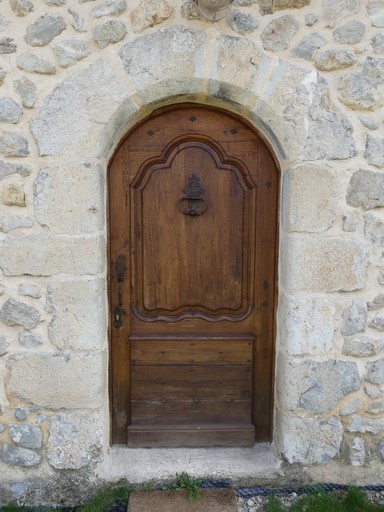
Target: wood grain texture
196 342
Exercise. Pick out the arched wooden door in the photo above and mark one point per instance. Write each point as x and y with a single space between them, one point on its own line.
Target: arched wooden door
193 215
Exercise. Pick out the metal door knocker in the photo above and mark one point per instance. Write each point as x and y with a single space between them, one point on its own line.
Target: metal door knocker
192 203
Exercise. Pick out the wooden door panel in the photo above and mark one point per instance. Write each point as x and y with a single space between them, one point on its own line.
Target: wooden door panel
193 214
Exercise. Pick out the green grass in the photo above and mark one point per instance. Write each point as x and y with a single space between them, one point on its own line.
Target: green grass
353 500
184 481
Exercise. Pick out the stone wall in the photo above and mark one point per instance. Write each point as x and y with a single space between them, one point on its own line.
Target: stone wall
75 76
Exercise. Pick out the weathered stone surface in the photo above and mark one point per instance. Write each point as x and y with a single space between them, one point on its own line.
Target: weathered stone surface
378 43
315 386
30 290
10 111
363 88
44 30
22 413
310 19
279 32
11 222
14 312
78 321
349 223
26 435
334 58
69 198
13 195
75 440
53 254
364 425
149 13
34 64
71 51
56 3
350 407
366 189
4 22
376 407
374 229
238 62
7 45
381 450
15 456
244 3
357 452
309 45
299 110
241 22
7 168
21 7
331 264
81 375
78 23
69 119
171 55
307 326
310 198
3 74
30 340
190 11
110 32
374 151
375 372
333 11
377 323
354 318
270 6
109 8
373 391
308 440
368 122
350 33
3 345
375 11
362 347
13 144
27 91
377 303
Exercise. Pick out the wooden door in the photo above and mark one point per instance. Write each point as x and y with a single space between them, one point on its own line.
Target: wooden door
193 215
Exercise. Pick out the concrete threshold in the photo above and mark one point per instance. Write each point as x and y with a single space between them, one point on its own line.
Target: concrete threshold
241 465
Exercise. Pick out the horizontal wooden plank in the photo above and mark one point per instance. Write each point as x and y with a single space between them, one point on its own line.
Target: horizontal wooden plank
181 412
184 382
191 351
168 436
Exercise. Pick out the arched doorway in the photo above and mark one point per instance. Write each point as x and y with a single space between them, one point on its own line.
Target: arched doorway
193 195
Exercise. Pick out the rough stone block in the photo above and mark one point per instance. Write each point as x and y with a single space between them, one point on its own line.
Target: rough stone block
374 151
30 340
44 30
309 199
75 440
149 13
7 45
241 22
8 168
363 88
14 312
377 322
363 425
70 381
171 55
376 407
30 290
16 456
70 121
13 195
70 51
11 222
279 32
374 229
22 413
21 7
357 451
110 32
378 43
78 22
308 440
375 372
362 347
13 144
377 303
34 64
3 346
270 6
27 91
350 407
331 264
69 198
350 33
315 386
52 255
310 43
109 8
237 67
10 111
334 58
78 321
307 326
354 318
366 189
334 11
26 435
373 391
375 10
299 109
